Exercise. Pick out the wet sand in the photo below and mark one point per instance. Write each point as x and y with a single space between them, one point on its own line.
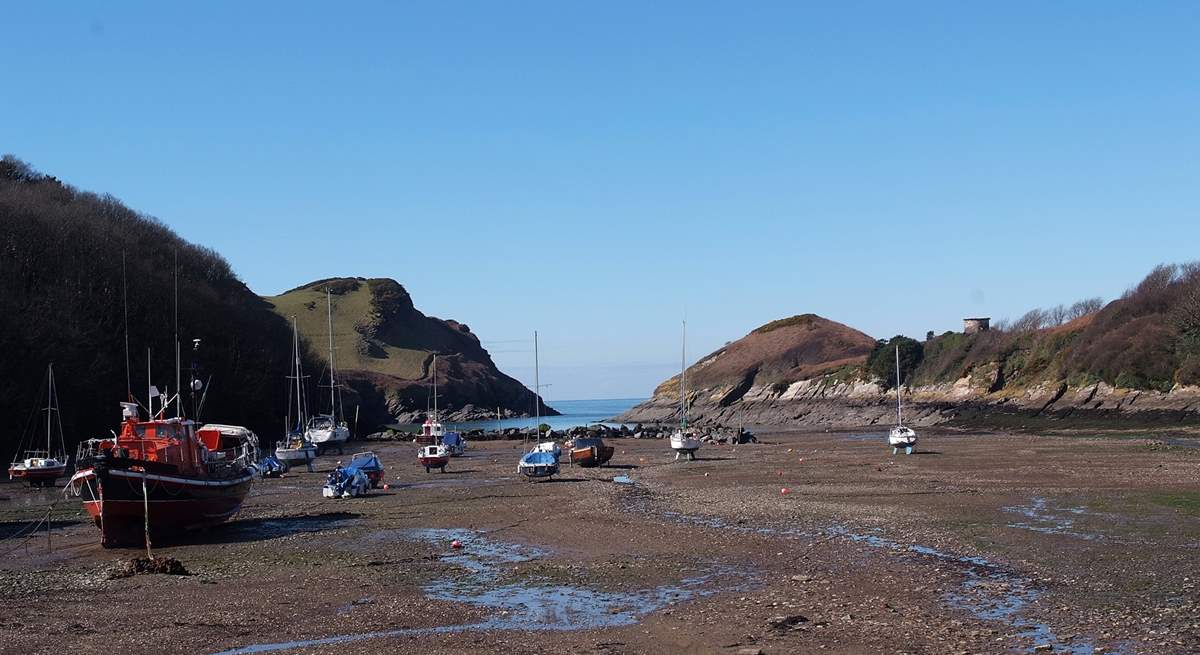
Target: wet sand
979 543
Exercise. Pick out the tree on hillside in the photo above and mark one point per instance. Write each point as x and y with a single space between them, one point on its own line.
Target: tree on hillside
882 360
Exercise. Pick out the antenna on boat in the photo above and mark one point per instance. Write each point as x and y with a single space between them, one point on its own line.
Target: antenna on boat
125 304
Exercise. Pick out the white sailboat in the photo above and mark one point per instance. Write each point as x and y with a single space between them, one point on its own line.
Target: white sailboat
326 431
296 449
901 436
542 461
684 441
41 467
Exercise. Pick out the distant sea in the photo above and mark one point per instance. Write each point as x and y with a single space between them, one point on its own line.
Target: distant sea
574 412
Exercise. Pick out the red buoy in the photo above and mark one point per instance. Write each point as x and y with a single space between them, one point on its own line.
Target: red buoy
456 544
386 487
785 491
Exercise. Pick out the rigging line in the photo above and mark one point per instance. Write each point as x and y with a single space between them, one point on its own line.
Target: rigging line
26 433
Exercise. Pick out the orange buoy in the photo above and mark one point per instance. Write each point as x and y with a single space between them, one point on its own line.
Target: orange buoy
785 491
456 544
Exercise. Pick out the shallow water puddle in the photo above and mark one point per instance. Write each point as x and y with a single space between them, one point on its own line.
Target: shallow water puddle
526 605
1044 518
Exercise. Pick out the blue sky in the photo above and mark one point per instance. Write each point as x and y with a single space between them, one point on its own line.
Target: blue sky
598 171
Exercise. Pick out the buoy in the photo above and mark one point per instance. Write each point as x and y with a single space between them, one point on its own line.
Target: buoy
706 475
789 450
801 460
456 544
781 474
386 487
785 491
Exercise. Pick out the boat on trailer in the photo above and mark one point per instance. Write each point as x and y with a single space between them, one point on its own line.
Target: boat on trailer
684 441
35 466
455 443
901 437
163 476
346 482
433 454
370 464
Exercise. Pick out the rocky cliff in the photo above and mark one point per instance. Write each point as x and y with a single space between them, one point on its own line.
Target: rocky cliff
384 348
1135 358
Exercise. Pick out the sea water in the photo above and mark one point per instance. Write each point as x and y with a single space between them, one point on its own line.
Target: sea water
573 413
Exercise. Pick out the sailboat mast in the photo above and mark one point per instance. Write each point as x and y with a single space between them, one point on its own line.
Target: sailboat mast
435 406
296 368
49 404
178 387
537 390
899 414
332 381
683 379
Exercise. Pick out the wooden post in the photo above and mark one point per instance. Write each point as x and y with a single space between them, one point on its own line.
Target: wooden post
49 545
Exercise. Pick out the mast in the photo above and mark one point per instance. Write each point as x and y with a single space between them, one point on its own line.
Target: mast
332 380
899 416
683 379
300 418
537 390
435 407
125 304
49 404
178 388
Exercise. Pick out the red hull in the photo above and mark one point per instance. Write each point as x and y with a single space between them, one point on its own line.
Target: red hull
434 462
592 456
114 500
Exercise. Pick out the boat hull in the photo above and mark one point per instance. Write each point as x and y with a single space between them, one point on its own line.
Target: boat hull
592 456
296 456
538 471
37 476
113 498
434 462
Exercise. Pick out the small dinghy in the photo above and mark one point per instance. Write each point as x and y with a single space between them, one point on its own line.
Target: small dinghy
368 462
271 467
901 437
346 482
589 452
432 457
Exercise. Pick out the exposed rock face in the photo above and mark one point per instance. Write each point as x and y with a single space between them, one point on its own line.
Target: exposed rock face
385 348
807 370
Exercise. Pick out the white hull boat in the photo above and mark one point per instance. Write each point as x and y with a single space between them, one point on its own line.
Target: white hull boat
901 437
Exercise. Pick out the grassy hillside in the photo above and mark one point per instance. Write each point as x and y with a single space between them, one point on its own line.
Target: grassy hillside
61 264
385 347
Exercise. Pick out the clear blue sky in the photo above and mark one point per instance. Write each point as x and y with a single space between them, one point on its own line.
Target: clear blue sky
595 172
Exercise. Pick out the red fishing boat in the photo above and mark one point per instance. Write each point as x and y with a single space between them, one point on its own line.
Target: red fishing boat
182 476
590 451
434 457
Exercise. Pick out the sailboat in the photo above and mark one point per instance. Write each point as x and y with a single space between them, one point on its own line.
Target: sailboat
433 455
542 461
41 467
327 431
684 441
901 436
296 449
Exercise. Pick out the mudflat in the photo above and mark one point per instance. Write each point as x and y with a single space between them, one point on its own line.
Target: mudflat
806 542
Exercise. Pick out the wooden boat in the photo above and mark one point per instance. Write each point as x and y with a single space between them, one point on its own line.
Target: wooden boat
901 437
590 451
329 431
433 457
295 449
684 441
369 463
163 476
39 467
